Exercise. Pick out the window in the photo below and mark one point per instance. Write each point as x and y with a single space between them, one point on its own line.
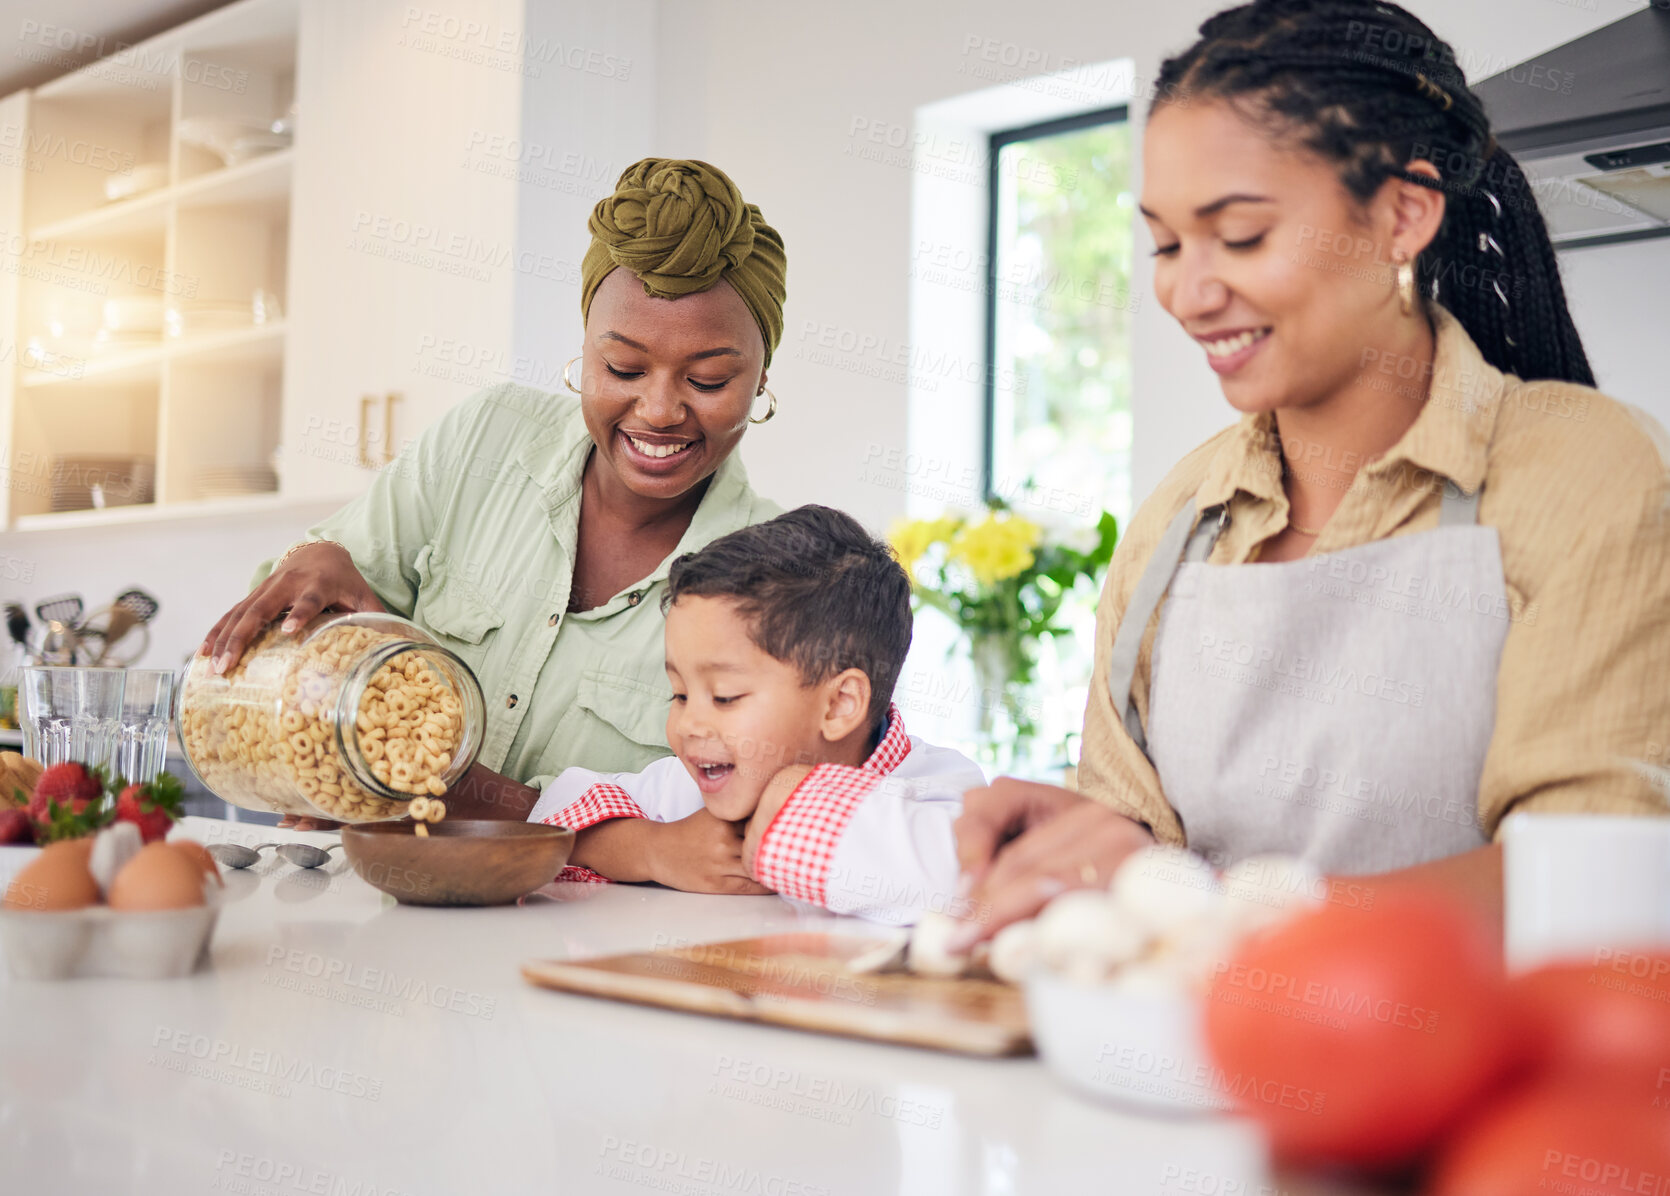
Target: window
1058 318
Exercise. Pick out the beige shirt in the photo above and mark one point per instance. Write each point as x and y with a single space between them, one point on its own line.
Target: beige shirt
1577 486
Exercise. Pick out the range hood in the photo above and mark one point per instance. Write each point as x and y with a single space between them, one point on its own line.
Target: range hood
1590 123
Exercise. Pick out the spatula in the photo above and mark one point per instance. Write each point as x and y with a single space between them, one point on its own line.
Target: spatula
64 609
138 603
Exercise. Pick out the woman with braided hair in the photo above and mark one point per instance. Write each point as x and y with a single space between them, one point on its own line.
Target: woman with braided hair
1425 580
532 533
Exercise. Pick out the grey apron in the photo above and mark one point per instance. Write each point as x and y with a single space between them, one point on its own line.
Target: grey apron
1336 707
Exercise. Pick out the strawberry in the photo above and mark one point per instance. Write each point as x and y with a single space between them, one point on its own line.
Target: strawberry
69 785
14 827
152 807
69 821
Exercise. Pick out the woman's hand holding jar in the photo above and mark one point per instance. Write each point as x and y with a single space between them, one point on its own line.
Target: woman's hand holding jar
310 578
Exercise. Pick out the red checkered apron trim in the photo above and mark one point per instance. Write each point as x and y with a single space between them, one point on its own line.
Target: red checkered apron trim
798 847
597 804
894 745
583 876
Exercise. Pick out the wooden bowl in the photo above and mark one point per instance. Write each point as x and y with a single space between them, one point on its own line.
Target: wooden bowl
462 862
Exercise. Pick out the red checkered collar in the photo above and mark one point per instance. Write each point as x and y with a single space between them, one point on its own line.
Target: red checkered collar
894 745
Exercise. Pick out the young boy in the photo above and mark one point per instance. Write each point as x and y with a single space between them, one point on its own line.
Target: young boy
791 769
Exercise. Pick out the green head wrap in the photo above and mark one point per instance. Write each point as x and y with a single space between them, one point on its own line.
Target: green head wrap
682 226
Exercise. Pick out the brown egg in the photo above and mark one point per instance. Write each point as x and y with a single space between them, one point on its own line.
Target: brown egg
58 878
200 856
159 877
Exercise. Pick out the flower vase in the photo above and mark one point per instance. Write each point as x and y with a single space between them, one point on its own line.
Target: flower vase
1005 729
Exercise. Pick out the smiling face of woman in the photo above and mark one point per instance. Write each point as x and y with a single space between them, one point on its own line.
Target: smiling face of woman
667 384
1264 257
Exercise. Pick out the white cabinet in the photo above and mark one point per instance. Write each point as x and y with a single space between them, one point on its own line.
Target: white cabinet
400 246
187 302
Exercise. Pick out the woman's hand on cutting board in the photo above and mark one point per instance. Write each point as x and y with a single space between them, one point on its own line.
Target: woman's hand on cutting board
319 576
1021 843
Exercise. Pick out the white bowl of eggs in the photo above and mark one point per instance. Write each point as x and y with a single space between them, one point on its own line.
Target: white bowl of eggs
1116 979
109 905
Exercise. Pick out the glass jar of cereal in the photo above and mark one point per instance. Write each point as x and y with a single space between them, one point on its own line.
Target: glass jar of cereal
348 719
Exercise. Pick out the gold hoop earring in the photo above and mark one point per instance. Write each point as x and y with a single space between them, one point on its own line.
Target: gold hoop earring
770 410
1406 284
565 379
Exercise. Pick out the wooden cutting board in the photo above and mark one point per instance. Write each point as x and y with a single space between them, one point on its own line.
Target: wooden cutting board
802 980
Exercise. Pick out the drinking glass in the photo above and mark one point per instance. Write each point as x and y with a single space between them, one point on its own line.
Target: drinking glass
1594 888
147 717
71 714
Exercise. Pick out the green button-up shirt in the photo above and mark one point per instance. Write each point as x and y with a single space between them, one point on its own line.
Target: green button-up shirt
471 532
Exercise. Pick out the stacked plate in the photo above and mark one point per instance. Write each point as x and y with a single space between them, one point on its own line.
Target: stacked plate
253 145
232 139
198 316
80 483
234 481
143 177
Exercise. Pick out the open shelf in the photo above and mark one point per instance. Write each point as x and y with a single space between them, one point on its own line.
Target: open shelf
127 366
258 344
250 504
259 181
263 181
103 432
136 320
222 415
142 215
82 144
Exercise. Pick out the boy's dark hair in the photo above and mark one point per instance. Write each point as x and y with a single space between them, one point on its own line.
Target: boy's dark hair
817 591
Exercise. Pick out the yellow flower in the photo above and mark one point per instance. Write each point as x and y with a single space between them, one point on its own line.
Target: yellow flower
997 548
911 538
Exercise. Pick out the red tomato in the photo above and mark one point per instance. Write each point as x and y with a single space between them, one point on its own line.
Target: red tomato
1607 1022
1356 1035
1558 1138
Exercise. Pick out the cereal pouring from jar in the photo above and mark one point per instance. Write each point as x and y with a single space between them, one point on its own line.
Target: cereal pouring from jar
349 720
408 726
425 810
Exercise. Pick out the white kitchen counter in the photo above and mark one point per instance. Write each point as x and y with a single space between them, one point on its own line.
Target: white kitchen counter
339 1043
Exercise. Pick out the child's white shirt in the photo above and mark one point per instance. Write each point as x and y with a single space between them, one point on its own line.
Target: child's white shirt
875 841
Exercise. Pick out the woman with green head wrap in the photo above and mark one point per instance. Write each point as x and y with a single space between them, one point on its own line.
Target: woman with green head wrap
682 293
531 532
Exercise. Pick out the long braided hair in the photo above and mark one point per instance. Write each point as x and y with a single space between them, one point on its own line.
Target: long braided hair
1368 87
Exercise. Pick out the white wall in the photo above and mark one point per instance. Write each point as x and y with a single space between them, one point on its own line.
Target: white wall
787 98
1617 295
195 568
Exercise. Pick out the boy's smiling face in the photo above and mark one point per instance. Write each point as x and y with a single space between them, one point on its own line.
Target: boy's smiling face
739 714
